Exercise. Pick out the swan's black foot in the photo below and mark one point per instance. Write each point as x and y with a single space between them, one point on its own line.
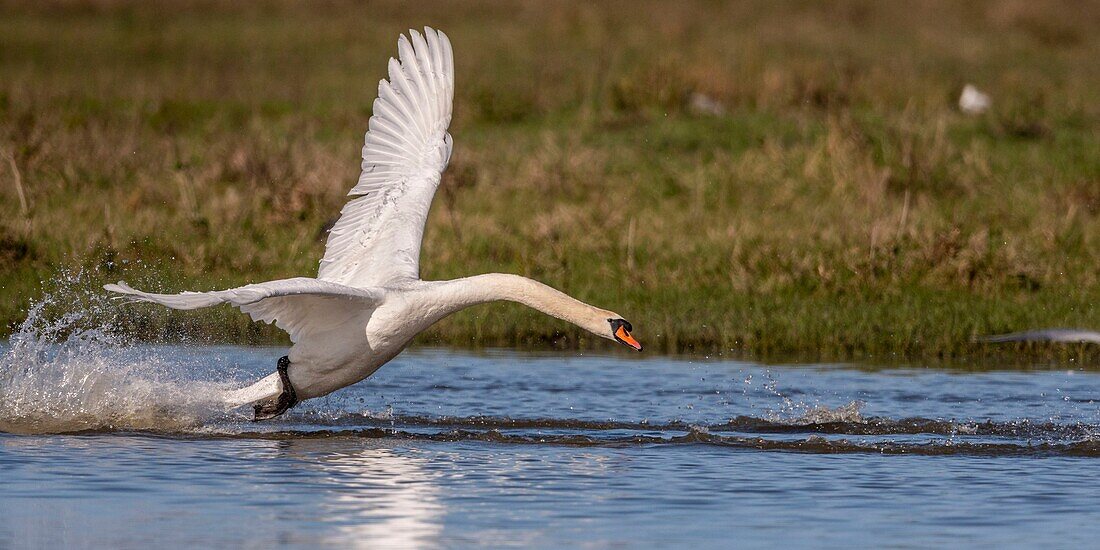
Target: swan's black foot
268 409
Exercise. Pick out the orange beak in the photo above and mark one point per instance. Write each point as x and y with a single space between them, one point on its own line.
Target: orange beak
627 339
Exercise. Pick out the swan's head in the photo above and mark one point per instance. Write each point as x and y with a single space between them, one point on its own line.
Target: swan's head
619 331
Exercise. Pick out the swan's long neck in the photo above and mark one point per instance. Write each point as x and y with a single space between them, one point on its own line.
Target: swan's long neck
479 289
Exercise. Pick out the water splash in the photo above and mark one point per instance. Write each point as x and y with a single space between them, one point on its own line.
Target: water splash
823 414
73 372
800 412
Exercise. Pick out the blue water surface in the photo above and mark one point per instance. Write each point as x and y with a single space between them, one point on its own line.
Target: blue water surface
446 449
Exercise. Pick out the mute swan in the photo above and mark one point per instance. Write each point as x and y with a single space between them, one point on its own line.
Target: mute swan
368 302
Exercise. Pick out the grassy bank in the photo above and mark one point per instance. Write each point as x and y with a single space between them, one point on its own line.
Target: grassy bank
838 206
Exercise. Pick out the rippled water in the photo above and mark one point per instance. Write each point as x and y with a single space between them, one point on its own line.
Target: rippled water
122 446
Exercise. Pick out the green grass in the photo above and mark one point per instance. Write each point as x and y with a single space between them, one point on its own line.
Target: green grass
841 206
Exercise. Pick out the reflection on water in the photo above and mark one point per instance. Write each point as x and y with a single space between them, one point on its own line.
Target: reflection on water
385 501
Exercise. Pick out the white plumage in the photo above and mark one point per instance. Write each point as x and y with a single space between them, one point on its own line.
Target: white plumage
368 301
287 302
377 238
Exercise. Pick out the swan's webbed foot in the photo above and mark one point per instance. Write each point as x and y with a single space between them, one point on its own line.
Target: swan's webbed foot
270 408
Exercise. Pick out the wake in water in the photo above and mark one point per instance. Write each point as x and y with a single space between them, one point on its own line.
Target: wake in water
64 373
909 436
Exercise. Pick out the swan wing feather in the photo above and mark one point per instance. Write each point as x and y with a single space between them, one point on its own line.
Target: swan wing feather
298 306
377 238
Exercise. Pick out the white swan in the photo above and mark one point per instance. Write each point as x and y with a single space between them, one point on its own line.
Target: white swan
368 302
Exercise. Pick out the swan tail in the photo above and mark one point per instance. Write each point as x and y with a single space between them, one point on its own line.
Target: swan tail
268 387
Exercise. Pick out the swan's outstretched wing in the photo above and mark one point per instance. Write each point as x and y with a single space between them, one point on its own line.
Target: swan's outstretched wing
377 238
298 305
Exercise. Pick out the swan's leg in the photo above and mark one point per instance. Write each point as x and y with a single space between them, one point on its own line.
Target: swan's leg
270 408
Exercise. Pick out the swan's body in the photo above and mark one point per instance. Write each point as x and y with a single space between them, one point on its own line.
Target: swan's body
368 302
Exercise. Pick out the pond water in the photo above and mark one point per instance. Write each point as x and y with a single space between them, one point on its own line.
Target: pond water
106 445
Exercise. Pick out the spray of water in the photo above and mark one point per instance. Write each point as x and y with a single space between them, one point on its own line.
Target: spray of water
800 412
73 372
